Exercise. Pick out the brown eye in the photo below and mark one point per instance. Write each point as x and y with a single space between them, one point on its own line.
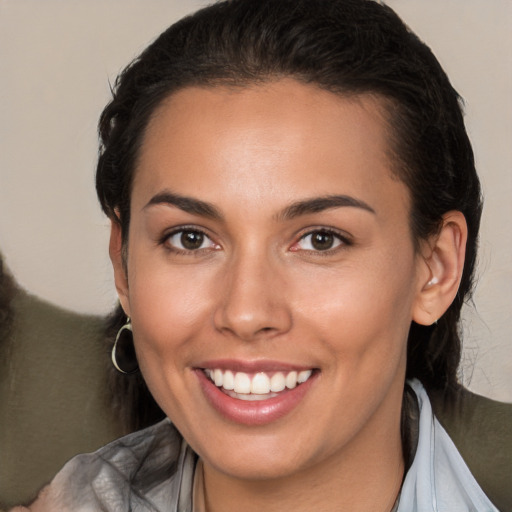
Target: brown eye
320 240
190 240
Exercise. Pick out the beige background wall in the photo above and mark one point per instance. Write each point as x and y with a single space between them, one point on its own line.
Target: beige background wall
56 60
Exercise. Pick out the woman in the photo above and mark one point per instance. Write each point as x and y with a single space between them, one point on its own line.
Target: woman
295 212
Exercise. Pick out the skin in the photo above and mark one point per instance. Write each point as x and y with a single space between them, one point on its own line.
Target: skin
257 290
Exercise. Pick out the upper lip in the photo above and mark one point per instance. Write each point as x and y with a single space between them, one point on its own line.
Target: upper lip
252 366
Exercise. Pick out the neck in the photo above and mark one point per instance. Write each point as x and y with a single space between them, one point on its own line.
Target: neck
364 476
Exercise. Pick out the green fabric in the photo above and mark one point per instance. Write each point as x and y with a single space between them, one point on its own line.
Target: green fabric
53 395
482 431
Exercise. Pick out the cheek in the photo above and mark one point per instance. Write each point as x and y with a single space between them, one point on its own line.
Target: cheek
170 309
364 308
167 323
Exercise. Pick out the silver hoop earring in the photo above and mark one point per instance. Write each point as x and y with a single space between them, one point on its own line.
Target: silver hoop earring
123 354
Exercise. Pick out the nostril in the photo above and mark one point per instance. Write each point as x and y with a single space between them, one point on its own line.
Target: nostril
265 331
248 313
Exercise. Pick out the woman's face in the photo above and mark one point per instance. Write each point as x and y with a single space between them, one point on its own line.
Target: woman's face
271 275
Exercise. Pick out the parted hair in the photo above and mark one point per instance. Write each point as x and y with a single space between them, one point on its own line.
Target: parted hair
348 47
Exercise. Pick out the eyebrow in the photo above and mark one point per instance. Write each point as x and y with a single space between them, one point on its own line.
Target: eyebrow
297 209
187 204
319 204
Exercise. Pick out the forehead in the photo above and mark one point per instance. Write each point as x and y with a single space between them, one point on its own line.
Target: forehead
267 107
283 138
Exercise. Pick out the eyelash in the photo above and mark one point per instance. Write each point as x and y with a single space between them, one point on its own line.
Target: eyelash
342 239
186 229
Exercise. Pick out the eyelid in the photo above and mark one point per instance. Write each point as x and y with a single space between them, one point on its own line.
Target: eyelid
164 240
344 238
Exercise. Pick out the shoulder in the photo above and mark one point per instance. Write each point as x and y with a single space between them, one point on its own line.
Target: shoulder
41 504
127 459
481 430
136 471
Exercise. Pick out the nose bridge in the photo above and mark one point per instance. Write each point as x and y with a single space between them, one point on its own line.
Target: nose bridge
252 303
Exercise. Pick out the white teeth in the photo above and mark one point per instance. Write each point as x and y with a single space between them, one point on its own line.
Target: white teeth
303 376
229 380
218 377
260 384
242 383
249 397
277 382
291 380
258 387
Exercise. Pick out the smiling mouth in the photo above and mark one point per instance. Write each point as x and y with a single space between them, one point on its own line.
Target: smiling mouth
257 386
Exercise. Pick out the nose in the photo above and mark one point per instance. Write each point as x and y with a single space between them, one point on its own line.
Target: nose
252 299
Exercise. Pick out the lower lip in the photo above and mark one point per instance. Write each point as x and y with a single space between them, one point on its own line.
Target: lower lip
258 412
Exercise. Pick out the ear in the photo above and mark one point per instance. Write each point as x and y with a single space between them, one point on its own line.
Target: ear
120 271
443 263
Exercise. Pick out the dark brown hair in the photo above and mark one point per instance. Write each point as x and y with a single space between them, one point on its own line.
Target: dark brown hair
344 46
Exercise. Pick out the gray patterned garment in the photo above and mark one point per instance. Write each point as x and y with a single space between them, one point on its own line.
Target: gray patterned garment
153 471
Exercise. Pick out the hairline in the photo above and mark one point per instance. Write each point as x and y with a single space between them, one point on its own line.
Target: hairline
385 106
